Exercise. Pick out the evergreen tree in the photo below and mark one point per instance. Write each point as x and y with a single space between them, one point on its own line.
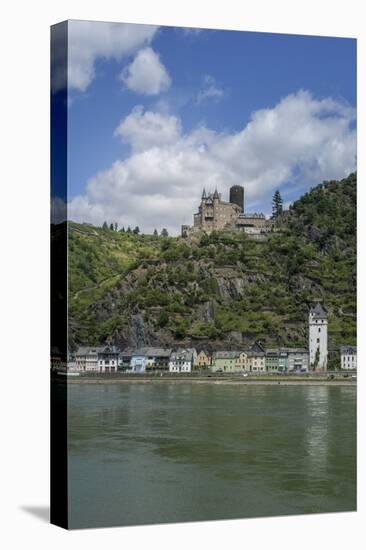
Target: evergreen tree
136 230
115 226
128 229
122 230
105 226
164 232
277 204
111 227
155 232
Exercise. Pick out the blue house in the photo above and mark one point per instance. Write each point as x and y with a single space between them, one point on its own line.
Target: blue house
138 361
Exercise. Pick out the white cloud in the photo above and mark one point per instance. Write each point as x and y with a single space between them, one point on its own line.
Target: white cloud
297 143
146 74
89 40
147 130
209 90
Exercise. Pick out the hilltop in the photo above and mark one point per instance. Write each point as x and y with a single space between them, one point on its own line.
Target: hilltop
220 290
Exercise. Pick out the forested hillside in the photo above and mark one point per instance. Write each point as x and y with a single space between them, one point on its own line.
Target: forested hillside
223 290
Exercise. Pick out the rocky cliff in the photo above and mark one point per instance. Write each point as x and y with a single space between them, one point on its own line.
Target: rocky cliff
223 290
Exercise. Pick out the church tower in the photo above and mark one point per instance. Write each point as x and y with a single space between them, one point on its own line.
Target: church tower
318 338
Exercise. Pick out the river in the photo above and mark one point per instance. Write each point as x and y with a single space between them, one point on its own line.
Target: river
157 453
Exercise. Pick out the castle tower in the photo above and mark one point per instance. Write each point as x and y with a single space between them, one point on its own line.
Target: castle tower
204 196
318 338
237 196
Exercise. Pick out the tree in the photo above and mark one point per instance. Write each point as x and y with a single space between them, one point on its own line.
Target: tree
128 229
277 204
122 230
163 318
155 232
136 230
115 226
105 226
111 227
164 232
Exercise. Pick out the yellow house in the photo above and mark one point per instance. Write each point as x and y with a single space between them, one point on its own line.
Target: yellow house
230 361
202 360
242 361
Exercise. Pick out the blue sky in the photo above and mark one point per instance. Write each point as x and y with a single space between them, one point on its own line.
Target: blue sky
264 110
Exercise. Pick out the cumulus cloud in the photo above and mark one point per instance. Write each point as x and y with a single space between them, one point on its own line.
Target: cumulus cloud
209 90
297 143
148 130
89 40
146 74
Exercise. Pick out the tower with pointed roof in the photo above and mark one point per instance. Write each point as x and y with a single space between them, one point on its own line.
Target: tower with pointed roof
318 338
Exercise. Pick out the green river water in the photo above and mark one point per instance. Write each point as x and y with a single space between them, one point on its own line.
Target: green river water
166 452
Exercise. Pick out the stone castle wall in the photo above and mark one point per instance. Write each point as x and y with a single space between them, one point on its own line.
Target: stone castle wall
214 214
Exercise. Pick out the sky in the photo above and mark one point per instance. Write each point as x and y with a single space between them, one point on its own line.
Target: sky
157 113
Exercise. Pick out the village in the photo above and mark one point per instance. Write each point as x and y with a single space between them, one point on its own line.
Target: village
258 359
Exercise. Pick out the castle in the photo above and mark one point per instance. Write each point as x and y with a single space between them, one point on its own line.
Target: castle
214 214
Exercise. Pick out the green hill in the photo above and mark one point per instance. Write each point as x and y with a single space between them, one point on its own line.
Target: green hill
222 290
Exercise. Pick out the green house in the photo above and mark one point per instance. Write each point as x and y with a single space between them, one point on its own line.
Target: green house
224 361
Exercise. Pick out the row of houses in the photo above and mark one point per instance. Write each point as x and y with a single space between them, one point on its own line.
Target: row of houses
257 359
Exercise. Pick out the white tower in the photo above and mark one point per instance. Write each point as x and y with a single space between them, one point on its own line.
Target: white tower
318 338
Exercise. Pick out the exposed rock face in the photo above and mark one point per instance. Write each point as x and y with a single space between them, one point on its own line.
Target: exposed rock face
224 290
206 311
138 331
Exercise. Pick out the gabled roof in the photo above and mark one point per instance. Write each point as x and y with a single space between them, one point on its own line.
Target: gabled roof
272 351
294 350
183 355
127 352
348 350
202 350
109 349
318 312
257 347
151 352
88 350
226 354
158 352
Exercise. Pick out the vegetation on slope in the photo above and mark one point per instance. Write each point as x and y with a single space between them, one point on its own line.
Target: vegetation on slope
224 289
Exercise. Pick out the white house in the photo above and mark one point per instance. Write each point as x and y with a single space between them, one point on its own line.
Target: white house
318 338
86 359
298 359
348 357
157 359
181 361
108 359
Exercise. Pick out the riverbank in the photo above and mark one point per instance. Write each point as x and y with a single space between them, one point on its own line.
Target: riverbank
227 381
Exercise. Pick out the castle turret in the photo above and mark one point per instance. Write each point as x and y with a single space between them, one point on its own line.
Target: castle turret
318 338
237 196
216 194
204 196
